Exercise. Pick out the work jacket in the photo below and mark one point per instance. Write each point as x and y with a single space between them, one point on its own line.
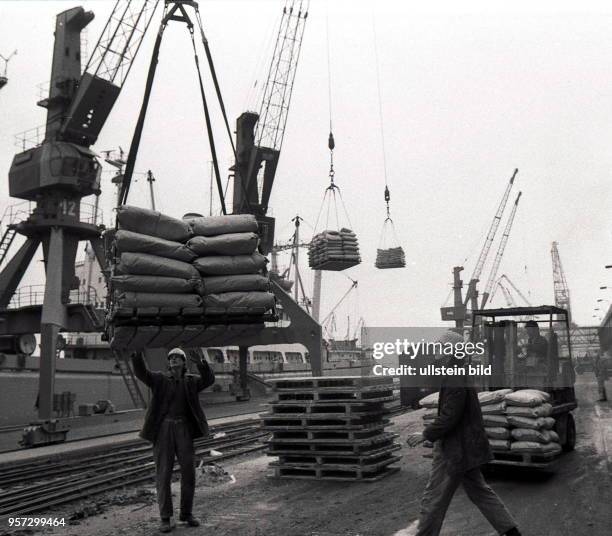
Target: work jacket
459 427
163 387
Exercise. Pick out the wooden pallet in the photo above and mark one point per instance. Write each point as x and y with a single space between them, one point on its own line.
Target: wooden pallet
330 436
322 407
370 395
351 460
272 423
525 459
370 446
333 474
327 382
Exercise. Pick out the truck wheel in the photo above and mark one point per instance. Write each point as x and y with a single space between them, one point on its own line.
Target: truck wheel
570 434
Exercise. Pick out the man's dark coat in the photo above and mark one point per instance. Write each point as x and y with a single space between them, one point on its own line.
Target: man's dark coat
163 387
459 427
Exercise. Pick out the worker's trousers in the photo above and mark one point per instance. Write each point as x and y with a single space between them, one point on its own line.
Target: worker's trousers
439 493
174 439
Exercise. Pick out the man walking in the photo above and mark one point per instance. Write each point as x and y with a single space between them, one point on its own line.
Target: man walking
460 448
174 419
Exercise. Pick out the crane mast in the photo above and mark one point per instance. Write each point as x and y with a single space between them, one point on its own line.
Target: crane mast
500 252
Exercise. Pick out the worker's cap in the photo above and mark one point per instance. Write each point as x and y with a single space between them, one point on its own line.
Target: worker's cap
178 353
531 324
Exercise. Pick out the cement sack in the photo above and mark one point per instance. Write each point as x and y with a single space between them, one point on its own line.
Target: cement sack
527 397
153 223
532 447
145 264
494 409
541 423
495 421
226 244
234 265
430 401
497 432
499 444
236 283
523 411
149 299
540 436
129 241
156 284
492 397
238 303
219 225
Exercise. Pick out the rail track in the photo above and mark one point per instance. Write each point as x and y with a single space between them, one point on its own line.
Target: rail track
34 487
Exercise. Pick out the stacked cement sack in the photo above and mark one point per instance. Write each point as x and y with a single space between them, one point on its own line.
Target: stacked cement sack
493 408
515 421
529 416
334 250
202 262
390 258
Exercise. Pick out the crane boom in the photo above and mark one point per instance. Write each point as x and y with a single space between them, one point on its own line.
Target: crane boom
259 136
500 252
507 279
106 71
472 294
509 301
562 293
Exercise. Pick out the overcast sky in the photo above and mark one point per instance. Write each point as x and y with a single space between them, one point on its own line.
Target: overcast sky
470 91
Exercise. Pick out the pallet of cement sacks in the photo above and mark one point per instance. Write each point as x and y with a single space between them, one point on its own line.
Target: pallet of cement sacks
339 439
390 258
171 279
334 250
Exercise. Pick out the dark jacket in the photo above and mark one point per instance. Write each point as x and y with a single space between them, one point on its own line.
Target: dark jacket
162 385
459 427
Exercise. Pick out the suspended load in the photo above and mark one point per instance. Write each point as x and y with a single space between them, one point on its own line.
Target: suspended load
333 250
171 280
389 257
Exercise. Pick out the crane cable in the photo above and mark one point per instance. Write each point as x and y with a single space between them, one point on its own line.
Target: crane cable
149 84
333 188
388 219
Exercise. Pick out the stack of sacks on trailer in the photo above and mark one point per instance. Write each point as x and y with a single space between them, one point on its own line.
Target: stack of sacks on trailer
203 261
529 414
232 269
493 406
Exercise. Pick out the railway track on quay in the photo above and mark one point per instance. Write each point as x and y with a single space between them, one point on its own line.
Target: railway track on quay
33 487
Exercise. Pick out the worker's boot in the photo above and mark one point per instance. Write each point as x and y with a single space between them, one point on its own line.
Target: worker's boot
190 520
512 532
166 525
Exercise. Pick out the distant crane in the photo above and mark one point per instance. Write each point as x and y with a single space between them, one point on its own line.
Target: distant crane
471 296
3 77
562 293
457 312
500 253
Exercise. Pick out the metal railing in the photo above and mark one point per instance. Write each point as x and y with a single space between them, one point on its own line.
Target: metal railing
88 213
35 295
30 138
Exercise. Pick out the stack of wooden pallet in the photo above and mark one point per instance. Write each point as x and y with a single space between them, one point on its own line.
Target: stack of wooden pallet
331 428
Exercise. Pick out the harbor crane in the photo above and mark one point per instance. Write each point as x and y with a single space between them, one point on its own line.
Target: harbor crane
55 176
561 289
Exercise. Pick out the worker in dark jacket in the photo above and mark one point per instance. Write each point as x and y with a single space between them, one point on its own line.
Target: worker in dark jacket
174 419
460 448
